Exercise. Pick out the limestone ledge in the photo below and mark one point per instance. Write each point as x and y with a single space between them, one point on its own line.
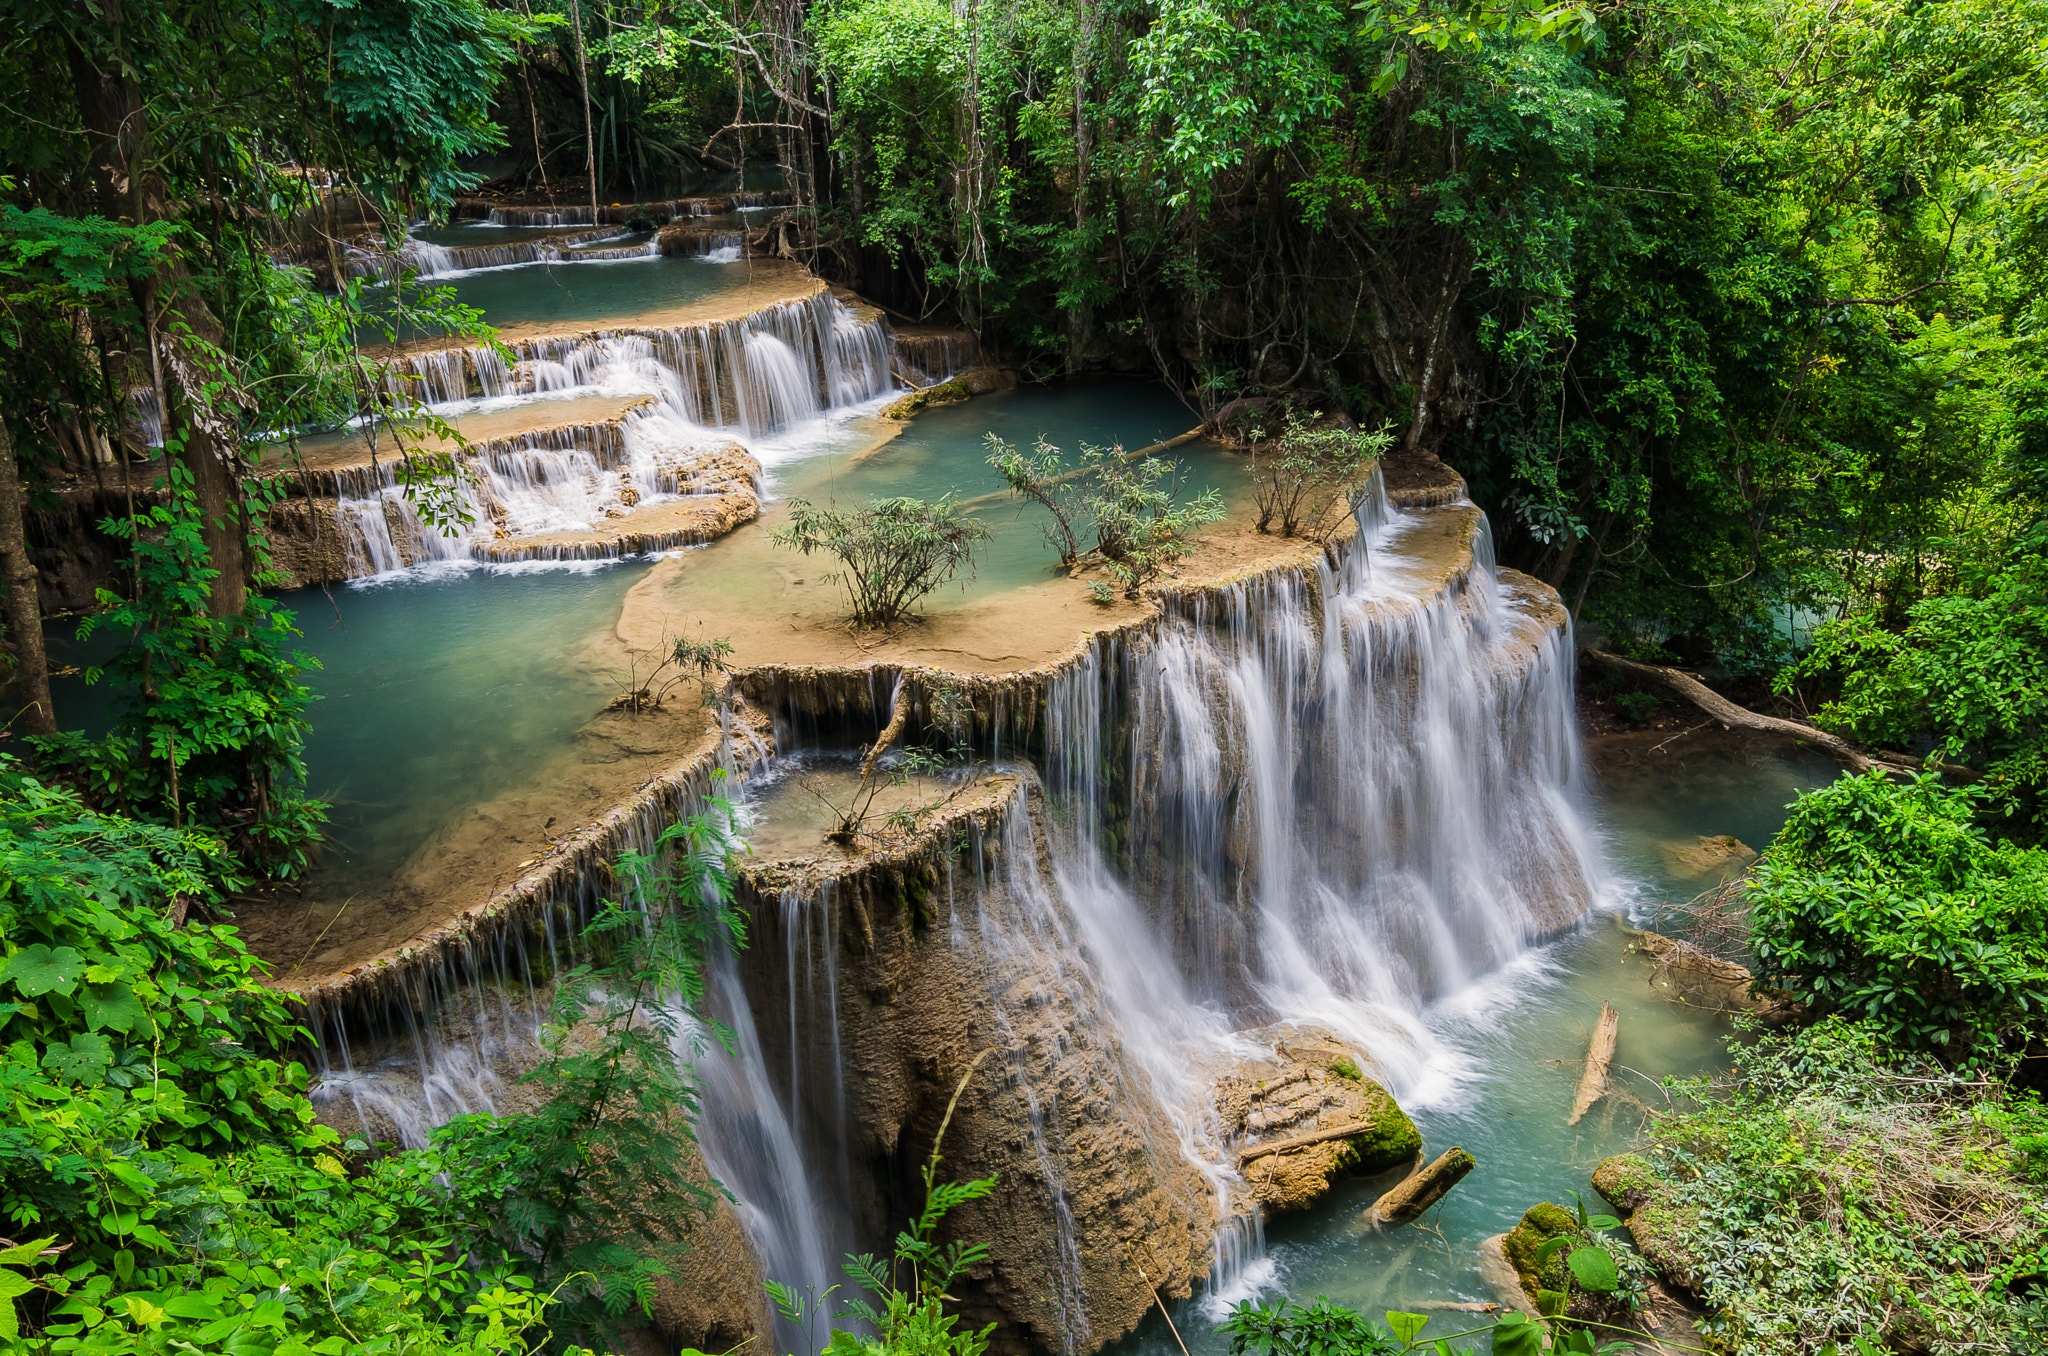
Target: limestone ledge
773 283
553 879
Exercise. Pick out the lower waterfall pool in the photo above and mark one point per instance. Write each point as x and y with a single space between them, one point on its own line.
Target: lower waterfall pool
1512 1048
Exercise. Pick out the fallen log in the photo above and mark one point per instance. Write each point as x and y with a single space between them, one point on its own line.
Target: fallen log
1289 1145
1740 717
1407 1201
1593 1083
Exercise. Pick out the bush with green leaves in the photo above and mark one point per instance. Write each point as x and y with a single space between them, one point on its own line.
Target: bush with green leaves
591 1187
891 554
1835 1193
1142 528
1888 902
162 1167
1965 675
1131 506
1043 477
1310 472
210 716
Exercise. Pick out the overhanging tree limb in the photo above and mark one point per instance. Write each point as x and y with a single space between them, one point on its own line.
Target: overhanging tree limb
1739 717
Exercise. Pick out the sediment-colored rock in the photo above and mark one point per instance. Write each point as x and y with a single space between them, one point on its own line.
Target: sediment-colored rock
1721 856
973 382
1684 973
1308 1116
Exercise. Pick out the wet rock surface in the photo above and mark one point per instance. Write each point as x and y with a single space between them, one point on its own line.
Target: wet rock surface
1686 974
1306 1116
1719 857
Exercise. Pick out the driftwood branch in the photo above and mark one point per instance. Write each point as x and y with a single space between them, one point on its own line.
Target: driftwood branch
1600 1054
1407 1201
1739 717
887 737
1289 1145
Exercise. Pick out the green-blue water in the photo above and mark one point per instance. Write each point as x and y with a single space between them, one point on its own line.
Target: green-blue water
585 293
1513 1048
944 451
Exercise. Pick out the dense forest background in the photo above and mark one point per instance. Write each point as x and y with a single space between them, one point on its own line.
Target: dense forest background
1729 311
1726 311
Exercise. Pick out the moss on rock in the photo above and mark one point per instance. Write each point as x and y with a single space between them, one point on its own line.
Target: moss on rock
1661 1231
1625 1181
1542 1222
1392 1141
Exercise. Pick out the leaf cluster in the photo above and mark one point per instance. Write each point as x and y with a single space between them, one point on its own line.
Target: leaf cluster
892 553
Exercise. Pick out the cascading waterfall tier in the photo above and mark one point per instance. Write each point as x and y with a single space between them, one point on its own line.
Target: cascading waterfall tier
620 213
756 373
1308 800
1312 797
428 260
666 474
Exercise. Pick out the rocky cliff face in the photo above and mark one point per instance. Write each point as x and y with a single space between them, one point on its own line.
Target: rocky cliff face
914 962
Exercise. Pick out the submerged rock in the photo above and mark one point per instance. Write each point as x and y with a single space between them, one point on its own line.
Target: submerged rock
973 382
1724 856
1307 1115
1686 974
1546 1281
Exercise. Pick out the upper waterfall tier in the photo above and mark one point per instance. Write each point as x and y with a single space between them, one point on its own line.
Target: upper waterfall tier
587 443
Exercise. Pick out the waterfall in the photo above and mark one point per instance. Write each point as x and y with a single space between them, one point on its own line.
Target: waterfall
1319 798
565 480
757 373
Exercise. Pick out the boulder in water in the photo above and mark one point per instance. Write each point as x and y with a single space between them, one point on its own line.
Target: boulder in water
1307 1115
1660 1226
1686 974
1723 856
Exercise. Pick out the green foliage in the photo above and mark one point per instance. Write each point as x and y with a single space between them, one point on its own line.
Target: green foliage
1141 529
152 1127
1130 507
905 1308
1887 902
1043 477
1966 674
605 1159
1835 1188
1284 1328
211 716
1309 471
892 553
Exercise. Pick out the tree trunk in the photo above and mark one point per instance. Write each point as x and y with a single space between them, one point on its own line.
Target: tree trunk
1406 1202
24 609
1599 1055
589 135
1731 715
117 121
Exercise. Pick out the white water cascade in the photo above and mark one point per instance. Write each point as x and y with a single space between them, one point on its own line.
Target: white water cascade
782 366
1316 800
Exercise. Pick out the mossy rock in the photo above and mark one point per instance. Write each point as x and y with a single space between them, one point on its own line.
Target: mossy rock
945 393
1391 1142
1542 1222
1661 1231
1625 1181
